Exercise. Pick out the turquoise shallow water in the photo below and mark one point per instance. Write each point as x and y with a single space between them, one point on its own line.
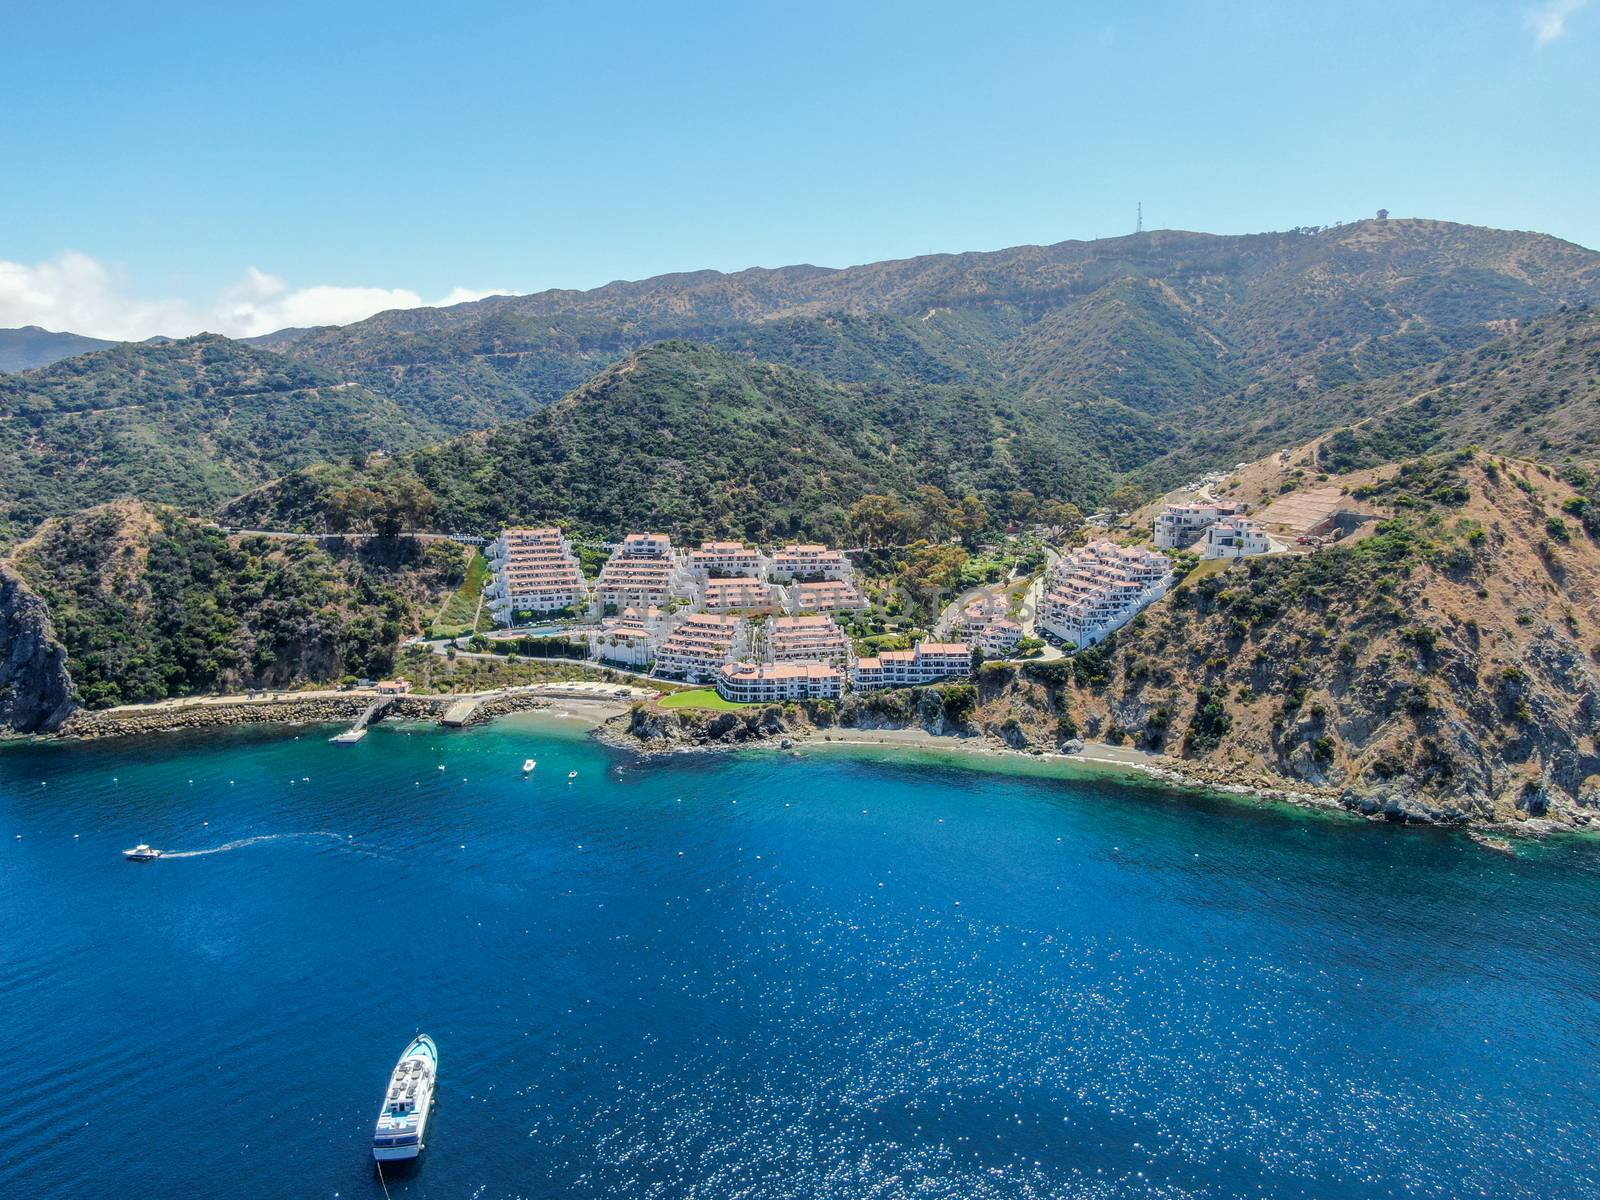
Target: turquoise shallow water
755 976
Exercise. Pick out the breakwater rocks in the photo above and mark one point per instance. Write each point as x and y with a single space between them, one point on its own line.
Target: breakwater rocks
320 709
211 715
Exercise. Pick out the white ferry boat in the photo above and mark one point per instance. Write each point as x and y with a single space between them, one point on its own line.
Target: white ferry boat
404 1118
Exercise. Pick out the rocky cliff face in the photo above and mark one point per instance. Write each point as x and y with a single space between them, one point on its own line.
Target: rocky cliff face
35 689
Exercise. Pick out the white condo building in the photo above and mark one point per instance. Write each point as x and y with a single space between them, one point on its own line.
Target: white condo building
807 639
999 637
534 571
699 645
753 683
926 662
724 559
1098 588
738 593
827 595
809 561
631 638
984 624
643 572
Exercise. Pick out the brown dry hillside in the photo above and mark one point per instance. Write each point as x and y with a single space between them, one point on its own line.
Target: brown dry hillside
1444 667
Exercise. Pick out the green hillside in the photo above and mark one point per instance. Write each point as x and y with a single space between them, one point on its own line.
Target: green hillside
191 422
151 604
703 442
1535 392
1205 335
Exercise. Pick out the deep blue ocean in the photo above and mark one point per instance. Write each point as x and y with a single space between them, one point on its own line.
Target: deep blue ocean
754 976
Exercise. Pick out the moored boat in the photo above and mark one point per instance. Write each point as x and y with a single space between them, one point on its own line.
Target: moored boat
528 765
403 1120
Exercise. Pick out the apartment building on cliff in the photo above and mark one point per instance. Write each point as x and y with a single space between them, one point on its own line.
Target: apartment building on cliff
699 645
535 571
1098 588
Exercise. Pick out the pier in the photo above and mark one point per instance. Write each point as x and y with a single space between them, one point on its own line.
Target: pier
461 712
359 730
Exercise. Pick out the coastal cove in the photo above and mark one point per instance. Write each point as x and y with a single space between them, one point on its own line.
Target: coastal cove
610 712
602 709
870 969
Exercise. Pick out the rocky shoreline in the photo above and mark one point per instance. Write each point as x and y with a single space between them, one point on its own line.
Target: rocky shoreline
321 709
651 731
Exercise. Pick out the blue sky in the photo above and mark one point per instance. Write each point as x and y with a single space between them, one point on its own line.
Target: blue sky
235 166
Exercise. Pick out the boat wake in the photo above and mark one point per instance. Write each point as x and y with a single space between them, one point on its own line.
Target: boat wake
250 841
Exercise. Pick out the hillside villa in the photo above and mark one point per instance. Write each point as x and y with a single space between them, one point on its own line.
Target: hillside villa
1237 537
1179 526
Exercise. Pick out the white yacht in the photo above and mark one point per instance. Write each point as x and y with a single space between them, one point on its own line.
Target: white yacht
404 1118
141 853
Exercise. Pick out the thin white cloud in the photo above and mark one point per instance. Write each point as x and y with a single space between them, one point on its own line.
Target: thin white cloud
1549 20
80 294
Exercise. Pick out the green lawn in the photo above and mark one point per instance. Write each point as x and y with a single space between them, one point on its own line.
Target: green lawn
700 698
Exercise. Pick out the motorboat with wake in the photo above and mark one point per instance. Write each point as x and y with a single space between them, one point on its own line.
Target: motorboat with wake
403 1120
141 853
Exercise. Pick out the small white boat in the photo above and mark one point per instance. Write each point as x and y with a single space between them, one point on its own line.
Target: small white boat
142 853
572 774
527 765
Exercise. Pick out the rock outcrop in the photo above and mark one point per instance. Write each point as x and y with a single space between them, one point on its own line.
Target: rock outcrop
35 689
